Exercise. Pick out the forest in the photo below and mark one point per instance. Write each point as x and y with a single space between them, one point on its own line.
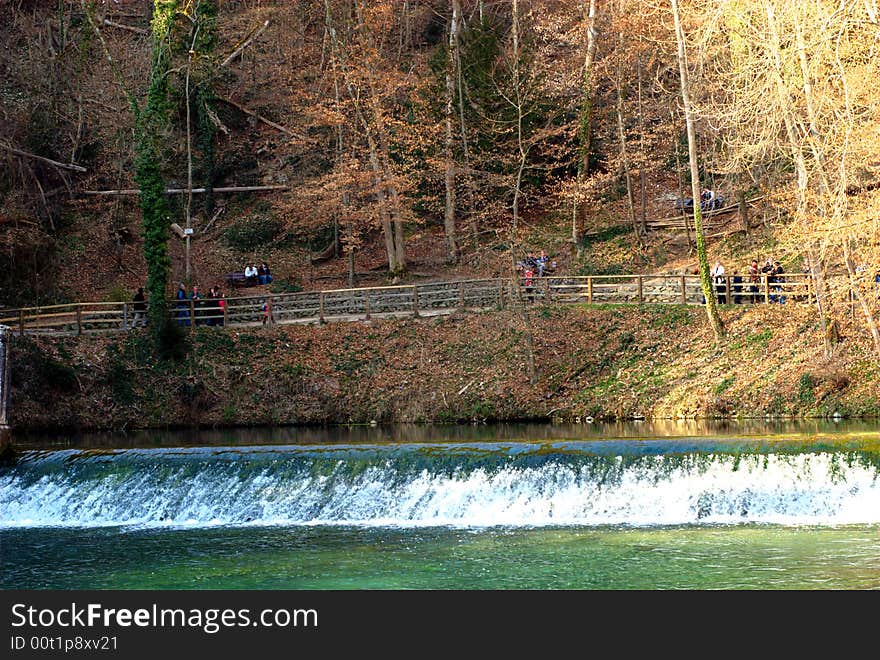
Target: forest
352 141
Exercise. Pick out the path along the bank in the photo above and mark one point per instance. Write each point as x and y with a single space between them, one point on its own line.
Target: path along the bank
413 300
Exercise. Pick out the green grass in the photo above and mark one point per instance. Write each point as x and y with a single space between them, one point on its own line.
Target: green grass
724 385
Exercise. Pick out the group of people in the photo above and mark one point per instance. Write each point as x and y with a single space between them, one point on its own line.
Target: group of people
709 201
533 266
257 275
747 288
207 310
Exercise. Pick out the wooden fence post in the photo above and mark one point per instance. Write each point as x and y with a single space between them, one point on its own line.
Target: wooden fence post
21 322
727 290
684 295
125 316
547 295
501 292
367 305
766 288
415 302
321 307
460 295
590 289
269 317
79 328
192 314
641 291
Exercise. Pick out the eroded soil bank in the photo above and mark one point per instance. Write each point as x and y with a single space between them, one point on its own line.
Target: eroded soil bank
604 362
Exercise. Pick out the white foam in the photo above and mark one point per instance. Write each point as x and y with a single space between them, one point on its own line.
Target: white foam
804 489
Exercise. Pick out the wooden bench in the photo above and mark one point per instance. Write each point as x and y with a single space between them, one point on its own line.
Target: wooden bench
236 279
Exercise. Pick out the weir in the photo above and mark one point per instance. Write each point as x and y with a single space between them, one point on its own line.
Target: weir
441 485
5 336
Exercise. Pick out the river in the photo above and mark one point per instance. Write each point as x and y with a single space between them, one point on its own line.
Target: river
669 505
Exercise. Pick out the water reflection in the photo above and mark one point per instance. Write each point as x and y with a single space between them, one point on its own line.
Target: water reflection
408 433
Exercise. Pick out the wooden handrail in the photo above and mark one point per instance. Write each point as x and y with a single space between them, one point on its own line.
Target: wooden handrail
398 299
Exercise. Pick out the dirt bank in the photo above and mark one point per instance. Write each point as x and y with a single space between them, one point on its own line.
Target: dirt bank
604 362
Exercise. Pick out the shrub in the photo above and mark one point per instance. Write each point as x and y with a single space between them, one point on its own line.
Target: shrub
806 395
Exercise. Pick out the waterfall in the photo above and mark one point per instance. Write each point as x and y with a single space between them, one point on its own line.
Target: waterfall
439 485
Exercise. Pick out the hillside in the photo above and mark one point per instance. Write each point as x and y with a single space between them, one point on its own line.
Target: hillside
378 135
605 362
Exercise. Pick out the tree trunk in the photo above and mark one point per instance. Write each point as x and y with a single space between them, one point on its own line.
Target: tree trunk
524 313
857 292
621 132
189 162
705 279
643 155
784 104
517 90
386 167
378 153
812 131
818 276
743 208
687 226
585 121
449 216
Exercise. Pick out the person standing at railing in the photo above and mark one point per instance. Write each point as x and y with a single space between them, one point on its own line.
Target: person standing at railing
543 263
778 278
221 307
212 311
196 299
140 308
737 288
182 307
754 280
528 276
719 279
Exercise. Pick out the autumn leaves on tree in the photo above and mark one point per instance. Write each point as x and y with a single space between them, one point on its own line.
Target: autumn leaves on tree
490 121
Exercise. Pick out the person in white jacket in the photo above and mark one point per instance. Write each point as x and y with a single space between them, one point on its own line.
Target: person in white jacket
719 279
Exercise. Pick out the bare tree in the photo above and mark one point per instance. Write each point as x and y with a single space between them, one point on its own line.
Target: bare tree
449 179
702 258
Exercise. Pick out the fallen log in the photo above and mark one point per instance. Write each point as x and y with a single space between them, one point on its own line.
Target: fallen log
25 154
258 117
122 26
244 44
177 191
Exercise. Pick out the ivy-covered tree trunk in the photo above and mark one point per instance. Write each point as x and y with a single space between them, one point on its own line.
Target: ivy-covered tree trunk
150 127
702 258
205 43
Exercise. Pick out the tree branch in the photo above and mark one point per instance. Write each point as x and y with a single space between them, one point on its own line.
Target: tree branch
254 34
177 191
253 114
121 26
25 154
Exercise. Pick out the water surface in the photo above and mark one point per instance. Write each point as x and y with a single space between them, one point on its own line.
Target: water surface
528 507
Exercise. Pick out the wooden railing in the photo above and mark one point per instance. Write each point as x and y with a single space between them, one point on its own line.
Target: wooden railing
409 300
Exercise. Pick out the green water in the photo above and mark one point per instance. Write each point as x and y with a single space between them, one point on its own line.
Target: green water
746 557
508 507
